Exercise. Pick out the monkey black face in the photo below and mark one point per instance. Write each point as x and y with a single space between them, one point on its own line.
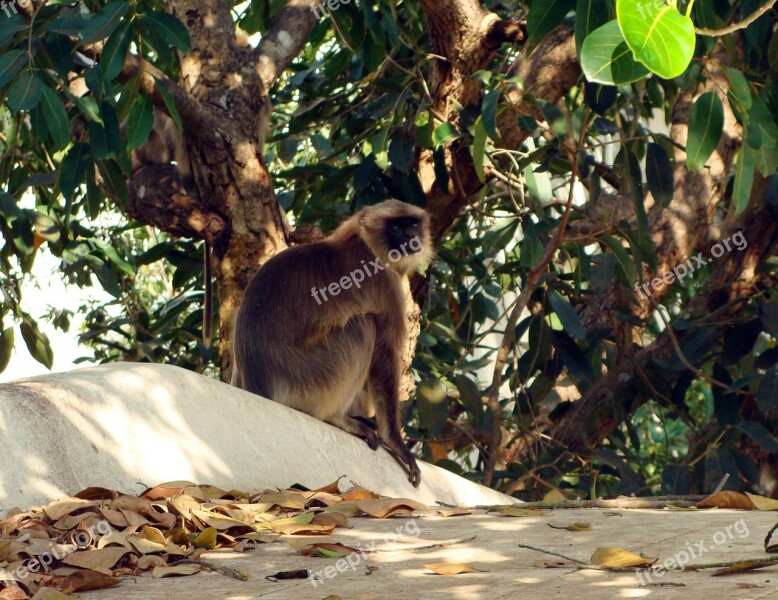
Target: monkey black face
404 235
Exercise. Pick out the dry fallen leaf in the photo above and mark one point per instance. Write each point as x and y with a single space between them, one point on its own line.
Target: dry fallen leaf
618 557
327 550
748 586
13 593
388 507
453 568
577 526
762 503
48 593
554 496
64 506
87 580
746 565
452 512
357 492
104 558
150 561
283 575
517 511
175 571
727 499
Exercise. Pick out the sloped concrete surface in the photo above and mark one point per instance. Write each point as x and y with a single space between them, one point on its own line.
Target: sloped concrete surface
126 426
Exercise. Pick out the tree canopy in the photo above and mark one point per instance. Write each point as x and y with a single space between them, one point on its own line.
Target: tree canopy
602 315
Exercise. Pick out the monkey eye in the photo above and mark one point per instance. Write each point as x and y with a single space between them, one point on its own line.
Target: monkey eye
415 225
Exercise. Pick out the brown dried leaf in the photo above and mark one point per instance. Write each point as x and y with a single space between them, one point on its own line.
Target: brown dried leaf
554 496
65 506
748 586
166 490
331 488
762 503
150 561
577 526
86 580
282 575
746 565
357 492
336 550
92 559
13 593
453 568
206 539
176 571
114 517
618 557
350 509
287 499
727 499
97 493
184 505
331 518
517 511
388 507
453 512
217 521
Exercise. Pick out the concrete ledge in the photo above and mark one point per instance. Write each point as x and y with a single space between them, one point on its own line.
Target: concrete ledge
126 426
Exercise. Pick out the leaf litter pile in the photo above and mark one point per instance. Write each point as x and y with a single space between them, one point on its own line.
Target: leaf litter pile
86 541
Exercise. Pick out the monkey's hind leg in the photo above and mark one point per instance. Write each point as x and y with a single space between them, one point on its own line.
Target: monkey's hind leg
358 428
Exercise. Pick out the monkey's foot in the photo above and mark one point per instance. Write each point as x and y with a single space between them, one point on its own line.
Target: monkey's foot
407 461
359 428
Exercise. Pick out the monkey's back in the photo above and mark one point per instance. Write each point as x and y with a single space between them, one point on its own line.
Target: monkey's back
290 342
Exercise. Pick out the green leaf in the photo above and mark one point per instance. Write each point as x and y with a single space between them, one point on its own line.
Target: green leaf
470 396
140 123
659 36
767 396
626 273
589 15
760 435
169 28
606 58
544 16
115 52
567 315
479 147
127 98
489 113
739 87
6 347
401 153
11 63
706 122
56 118
170 104
73 169
103 23
432 403
37 342
88 106
445 133
115 180
25 93
744 178
762 130
659 174
572 356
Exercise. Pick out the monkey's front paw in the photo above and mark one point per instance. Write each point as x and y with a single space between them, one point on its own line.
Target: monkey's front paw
372 439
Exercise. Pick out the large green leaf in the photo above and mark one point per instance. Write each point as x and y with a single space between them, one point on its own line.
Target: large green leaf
706 122
567 315
103 23
606 58
11 63
115 51
36 341
140 123
659 174
25 93
545 15
744 178
56 118
659 36
169 28
589 15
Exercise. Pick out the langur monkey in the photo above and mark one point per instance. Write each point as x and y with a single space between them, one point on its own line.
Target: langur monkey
320 320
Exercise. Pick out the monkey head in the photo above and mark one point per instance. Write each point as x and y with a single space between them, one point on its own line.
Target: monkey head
398 234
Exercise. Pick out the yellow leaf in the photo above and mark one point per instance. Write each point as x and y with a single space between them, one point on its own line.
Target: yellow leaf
727 499
92 559
387 507
617 557
452 568
577 526
175 571
554 496
452 512
763 503
746 565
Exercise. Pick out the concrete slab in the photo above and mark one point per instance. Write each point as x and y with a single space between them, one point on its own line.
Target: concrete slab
129 426
510 570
